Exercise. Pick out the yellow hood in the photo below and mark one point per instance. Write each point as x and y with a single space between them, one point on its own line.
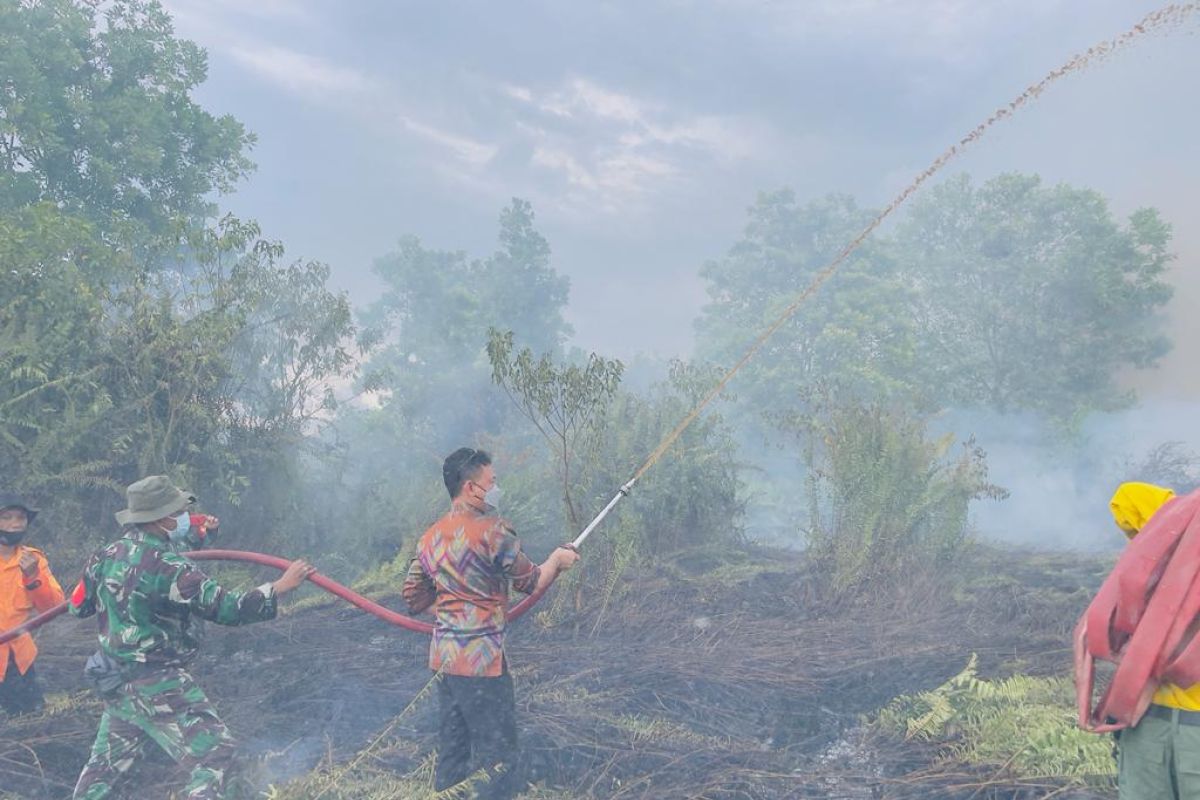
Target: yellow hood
1134 504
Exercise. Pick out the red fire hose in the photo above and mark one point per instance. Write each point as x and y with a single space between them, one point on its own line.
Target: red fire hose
329 585
1143 619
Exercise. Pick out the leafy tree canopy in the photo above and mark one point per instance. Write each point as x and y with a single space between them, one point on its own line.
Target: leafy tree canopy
1033 297
96 115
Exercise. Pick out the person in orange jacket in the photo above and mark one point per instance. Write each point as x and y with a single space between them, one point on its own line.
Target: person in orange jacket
27 587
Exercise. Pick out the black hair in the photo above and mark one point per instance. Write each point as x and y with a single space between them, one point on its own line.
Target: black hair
461 466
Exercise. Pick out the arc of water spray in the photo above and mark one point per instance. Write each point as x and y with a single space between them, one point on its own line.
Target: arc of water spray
1164 19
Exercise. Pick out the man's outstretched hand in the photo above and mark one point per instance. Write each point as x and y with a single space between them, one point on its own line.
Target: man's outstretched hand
293 576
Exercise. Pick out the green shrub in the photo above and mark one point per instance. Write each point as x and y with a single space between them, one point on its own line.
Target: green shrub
884 499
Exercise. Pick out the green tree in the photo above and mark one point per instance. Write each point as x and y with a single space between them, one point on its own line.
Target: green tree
432 318
597 436
438 306
518 281
140 335
692 498
1033 297
52 320
291 337
566 403
96 115
211 370
434 314
852 336
430 307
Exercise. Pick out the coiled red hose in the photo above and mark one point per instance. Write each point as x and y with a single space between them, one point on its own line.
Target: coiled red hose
1142 620
327 584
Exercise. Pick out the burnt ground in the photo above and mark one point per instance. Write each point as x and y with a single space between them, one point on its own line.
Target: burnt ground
694 683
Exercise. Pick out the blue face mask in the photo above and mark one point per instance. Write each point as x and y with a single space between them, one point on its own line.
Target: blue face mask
183 524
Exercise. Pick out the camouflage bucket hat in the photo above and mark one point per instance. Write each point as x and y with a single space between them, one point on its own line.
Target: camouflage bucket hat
151 499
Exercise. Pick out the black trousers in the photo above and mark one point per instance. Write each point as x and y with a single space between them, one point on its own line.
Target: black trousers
20 694
478 730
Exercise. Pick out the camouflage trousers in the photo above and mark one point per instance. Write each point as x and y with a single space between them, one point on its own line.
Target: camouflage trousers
169 710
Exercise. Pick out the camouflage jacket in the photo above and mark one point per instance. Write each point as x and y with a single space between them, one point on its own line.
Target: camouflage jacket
146 594
190 625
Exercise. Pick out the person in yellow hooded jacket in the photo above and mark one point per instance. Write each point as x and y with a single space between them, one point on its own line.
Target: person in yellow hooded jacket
1160 756
27 587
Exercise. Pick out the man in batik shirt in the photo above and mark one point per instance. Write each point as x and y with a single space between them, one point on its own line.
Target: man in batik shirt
464 565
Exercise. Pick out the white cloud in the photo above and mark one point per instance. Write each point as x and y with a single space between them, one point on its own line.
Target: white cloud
614 176
243 31
562 161
616 146
465 149
522 93
320 80
302 74
315 79
601 102
730 138
627 172
581 99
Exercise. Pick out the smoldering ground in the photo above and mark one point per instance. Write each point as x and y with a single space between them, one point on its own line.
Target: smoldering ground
723 684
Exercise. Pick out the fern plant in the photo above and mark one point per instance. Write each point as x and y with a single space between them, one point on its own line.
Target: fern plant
1023 722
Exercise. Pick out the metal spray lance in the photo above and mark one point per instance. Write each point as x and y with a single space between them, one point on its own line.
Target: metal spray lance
622 492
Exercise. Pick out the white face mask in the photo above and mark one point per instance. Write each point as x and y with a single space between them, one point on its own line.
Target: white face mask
183 524
492 496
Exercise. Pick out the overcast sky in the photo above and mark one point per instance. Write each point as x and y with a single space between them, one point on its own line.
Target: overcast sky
642 130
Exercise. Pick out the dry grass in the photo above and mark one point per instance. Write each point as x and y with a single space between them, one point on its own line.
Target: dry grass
734 684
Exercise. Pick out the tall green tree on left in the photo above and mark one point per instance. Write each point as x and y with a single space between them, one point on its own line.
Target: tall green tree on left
142 334
97 117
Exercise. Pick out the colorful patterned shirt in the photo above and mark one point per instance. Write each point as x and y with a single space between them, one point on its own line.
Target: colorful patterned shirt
463 567
146 592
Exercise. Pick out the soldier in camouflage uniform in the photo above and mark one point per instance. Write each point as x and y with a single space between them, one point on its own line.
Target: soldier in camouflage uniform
146 592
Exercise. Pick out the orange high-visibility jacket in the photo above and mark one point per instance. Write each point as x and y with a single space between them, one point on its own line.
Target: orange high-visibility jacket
17 604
